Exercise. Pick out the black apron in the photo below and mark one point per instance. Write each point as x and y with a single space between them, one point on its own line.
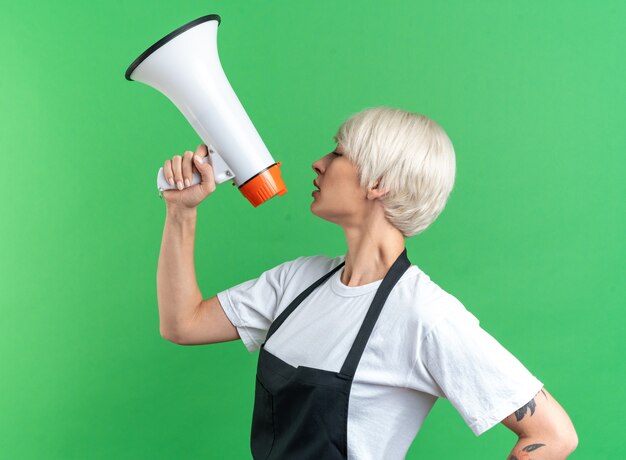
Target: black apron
302 412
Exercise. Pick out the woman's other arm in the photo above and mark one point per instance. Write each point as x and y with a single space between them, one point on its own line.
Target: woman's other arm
545 430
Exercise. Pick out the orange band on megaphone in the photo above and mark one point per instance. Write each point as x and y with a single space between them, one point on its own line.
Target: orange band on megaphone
264 185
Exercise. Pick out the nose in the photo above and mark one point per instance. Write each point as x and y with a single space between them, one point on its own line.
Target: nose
318 166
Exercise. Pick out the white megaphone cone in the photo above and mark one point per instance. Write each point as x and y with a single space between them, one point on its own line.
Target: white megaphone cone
185 67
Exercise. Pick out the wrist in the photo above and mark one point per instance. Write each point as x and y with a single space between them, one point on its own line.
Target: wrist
180 212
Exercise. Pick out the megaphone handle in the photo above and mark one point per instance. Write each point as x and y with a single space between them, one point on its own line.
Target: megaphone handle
162 183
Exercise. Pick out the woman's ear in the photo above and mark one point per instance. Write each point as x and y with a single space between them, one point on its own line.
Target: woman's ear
375 192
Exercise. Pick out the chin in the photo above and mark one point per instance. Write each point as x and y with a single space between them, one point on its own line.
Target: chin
314 211
311 209
323 216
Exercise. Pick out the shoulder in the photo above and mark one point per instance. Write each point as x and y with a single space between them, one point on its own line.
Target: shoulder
312 267
428 303
302 269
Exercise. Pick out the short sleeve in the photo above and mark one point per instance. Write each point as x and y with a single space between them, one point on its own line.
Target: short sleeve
252 305
480 378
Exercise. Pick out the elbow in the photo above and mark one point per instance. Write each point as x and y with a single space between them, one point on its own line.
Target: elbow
558 440
170 336
571 441
167 337
565 441
569 438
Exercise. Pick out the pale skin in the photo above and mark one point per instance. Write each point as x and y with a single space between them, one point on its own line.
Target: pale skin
544 429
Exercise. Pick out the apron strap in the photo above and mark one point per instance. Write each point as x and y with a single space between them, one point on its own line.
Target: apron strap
396 271
292 306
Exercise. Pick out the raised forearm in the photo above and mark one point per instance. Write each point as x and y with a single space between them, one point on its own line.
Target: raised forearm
177 288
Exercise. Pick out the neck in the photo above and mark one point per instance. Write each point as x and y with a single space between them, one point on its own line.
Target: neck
372 250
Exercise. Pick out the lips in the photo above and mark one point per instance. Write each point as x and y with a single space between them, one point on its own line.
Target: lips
315 183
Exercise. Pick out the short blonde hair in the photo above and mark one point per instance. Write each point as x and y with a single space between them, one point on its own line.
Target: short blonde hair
411 155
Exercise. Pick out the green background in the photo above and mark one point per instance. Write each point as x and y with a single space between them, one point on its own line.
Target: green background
532 240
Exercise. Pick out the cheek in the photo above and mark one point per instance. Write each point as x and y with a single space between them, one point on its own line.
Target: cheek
347 191
343 181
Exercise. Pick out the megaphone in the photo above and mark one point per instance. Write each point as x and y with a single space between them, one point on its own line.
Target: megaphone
185 67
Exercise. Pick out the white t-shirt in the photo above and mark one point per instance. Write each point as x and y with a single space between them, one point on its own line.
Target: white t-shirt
425 345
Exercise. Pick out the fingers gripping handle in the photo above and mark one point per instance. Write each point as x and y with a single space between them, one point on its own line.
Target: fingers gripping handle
221 171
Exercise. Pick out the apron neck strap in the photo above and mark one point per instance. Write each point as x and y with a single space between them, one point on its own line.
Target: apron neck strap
298 300
396 271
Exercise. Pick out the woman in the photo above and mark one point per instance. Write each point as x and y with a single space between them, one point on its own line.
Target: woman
356 349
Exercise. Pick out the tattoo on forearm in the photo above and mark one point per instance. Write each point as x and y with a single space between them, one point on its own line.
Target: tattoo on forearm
522 454
530 406
544 393
532 447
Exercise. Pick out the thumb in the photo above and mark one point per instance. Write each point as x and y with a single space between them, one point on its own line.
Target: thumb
206 171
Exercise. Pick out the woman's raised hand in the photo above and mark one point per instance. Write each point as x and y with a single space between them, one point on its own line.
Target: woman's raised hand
178 171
